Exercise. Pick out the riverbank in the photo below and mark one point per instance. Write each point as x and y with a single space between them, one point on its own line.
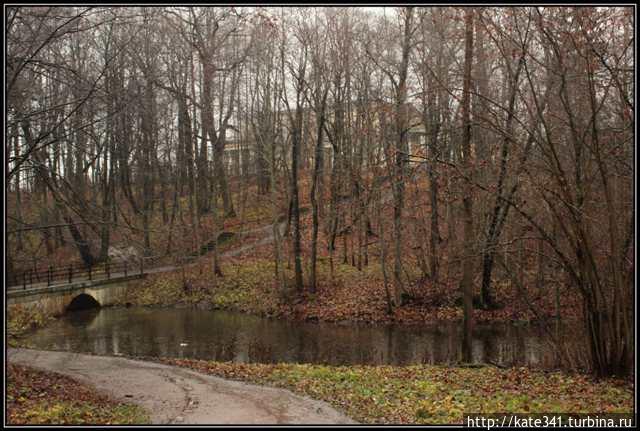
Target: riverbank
37 397
423 394
346 294
24 319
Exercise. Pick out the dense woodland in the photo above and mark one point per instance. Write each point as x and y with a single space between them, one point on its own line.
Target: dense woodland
463 151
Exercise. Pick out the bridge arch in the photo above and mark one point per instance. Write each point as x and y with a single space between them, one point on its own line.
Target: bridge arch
82 302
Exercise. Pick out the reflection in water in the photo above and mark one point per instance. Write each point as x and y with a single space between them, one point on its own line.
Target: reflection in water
228 336
86 317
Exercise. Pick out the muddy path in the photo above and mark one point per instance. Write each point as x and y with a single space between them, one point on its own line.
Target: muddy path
174 395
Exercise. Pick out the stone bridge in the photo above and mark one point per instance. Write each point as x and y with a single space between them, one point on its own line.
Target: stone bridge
57 299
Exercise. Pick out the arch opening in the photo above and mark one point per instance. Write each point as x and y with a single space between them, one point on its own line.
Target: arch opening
82 302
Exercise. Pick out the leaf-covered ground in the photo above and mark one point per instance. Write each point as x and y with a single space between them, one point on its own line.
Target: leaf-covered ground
39 397
431 394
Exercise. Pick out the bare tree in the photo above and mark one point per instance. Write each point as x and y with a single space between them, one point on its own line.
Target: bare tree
466 286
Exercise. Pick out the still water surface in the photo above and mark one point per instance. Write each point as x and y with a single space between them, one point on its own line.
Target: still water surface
230 336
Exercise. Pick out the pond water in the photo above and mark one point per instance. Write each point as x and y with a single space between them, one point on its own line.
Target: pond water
237 337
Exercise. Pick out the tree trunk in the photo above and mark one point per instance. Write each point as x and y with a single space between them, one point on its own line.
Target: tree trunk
467 203
317 177
401 157
295 204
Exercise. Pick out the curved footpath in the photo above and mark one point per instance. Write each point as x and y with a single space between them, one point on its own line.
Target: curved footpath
181 396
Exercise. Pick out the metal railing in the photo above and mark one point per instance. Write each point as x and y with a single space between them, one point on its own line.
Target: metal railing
78 271
67 274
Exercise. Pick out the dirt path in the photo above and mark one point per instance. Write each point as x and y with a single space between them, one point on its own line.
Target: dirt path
181 396
269 238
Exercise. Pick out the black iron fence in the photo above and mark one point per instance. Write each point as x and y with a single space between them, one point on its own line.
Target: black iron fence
65 274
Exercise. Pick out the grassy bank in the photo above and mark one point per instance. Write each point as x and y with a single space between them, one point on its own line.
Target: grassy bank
431 394
21 320
38 397
346 294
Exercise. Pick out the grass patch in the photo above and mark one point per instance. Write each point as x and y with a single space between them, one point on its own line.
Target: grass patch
244 287
247 287
425 394
39 397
